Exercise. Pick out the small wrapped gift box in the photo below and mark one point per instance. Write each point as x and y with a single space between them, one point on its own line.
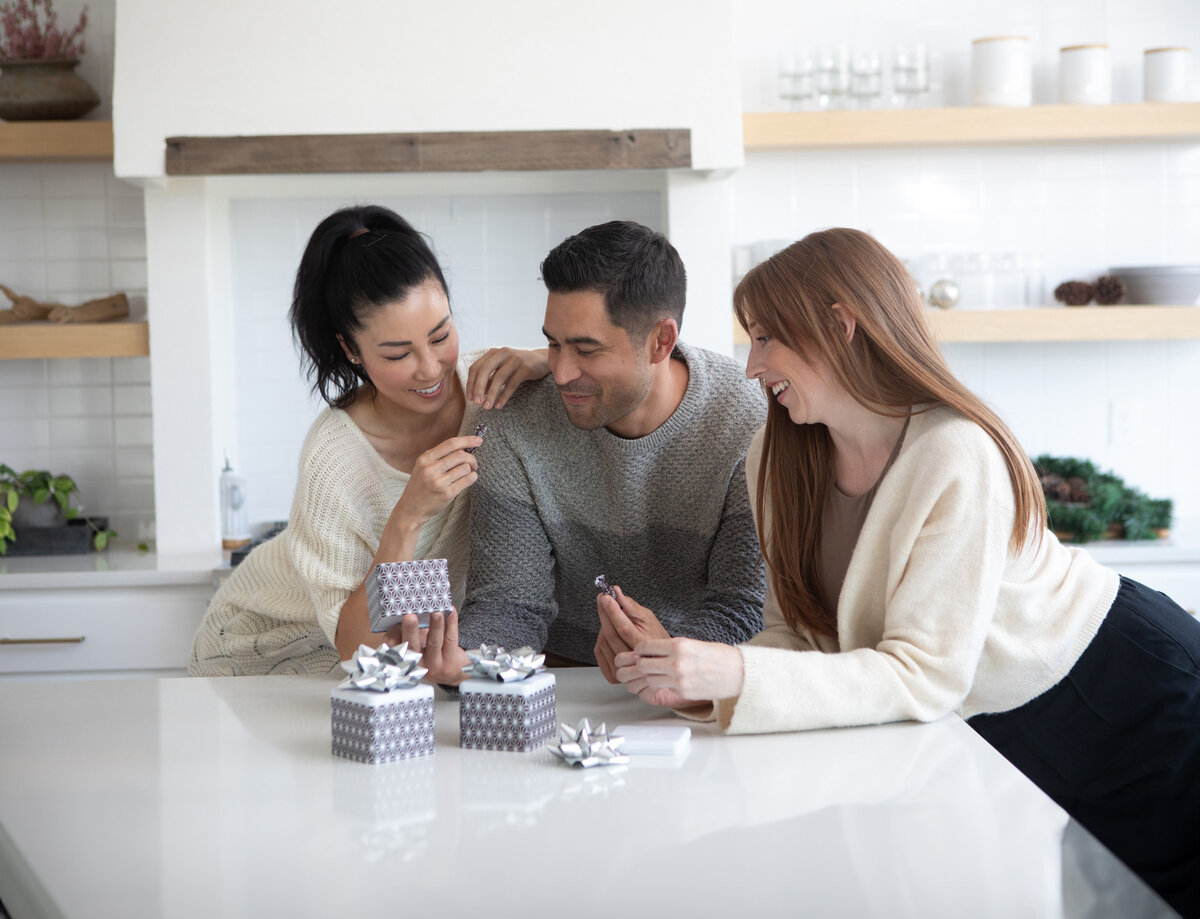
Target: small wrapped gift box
397 588
381 712
508 703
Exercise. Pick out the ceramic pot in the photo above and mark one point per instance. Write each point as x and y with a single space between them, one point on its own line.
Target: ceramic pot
44 90
1001 71
46 514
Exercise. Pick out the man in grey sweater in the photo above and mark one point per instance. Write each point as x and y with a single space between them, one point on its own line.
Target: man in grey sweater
627 462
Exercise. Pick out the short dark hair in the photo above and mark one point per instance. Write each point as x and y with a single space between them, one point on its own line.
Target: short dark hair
636 269
358 260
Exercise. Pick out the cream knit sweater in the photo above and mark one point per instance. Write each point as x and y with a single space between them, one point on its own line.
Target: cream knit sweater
278 612
936 615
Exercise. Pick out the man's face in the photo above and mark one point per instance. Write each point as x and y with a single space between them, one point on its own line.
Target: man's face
601 376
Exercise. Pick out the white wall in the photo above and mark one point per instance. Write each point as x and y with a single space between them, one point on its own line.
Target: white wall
405 65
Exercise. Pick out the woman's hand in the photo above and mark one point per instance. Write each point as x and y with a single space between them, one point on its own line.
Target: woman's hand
440 653
677 672
438 476
494 377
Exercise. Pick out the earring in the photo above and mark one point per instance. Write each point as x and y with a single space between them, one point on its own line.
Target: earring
353 360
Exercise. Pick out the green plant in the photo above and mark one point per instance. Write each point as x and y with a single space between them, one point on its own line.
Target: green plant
40 486
1084 502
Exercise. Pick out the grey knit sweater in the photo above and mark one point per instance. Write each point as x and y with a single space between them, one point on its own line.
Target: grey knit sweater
665 516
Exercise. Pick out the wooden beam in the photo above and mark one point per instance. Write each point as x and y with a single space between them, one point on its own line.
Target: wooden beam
434 152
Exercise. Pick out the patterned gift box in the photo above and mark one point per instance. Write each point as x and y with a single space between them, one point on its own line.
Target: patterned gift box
379 727
395 589
516 716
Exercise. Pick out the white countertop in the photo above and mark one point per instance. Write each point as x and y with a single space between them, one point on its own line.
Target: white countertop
126 567
208 798
115 567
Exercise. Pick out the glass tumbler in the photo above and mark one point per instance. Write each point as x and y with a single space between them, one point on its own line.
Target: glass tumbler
832 76
910 74
797 79
866 77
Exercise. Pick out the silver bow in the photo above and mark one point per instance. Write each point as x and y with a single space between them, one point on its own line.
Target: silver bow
383 669
492 662
584 746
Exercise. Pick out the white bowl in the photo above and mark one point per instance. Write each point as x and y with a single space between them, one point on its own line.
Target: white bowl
1160 285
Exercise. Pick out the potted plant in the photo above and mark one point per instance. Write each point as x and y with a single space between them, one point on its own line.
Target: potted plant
37 64
37 500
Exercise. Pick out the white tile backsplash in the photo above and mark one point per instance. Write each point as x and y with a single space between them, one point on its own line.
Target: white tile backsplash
68 233
80 401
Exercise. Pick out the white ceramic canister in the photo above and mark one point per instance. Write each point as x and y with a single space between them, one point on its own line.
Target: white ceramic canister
1084 75
1001 71
1165 74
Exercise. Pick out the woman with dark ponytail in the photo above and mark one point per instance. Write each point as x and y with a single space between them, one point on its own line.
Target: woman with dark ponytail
386 467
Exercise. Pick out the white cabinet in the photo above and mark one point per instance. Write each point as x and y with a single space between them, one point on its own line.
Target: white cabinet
1175 570
117 613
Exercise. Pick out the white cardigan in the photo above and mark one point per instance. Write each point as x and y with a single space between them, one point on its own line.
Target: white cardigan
936 615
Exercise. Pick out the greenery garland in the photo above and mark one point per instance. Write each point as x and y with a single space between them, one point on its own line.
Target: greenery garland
1083 503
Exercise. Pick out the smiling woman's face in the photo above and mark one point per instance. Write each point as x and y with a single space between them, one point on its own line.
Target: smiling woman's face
409 349
802 387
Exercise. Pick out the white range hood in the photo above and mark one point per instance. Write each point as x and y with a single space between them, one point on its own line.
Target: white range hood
226 68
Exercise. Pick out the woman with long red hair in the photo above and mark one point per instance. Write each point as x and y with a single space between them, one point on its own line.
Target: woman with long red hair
911 573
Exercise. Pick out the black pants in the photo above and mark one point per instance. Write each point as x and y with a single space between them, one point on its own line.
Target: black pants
1117 742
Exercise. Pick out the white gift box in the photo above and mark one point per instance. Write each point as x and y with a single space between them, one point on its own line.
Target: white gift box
379 727
516 716
395 589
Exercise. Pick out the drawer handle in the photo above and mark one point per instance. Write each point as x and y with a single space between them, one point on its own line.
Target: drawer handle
78 639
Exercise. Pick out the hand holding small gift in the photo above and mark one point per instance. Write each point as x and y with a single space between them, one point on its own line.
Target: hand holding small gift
441 655
623 624
438 476
681 672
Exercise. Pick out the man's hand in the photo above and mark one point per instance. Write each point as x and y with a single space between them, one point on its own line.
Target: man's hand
678 672
623 623
441 654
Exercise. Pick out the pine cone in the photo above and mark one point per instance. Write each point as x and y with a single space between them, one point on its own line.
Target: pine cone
1110 290
1073 293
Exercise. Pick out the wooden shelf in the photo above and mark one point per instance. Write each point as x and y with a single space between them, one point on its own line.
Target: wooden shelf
100 339
971 125
56 141
1085 323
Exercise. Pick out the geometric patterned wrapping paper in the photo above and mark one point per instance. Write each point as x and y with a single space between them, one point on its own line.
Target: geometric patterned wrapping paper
397 588
379 727
518 716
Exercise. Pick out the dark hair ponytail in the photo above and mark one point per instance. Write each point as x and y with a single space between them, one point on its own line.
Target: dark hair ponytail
358 260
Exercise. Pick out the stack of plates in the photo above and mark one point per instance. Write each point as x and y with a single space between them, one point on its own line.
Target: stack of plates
1161 285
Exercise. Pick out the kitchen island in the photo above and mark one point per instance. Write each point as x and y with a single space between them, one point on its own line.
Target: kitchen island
219 797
